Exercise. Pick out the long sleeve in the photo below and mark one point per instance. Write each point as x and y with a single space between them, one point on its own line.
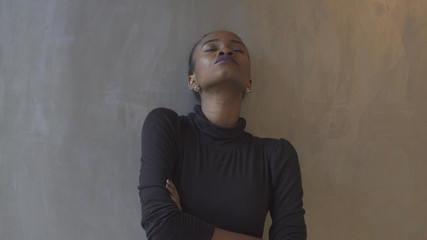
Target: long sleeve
161 219
286 207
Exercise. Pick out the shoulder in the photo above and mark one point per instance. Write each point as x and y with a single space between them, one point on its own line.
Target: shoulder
280 151
163 119
276 146
283 162
161 116
161 113
283 145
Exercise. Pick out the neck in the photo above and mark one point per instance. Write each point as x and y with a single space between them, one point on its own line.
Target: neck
223 111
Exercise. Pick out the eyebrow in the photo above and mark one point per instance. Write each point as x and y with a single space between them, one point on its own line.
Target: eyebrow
217 40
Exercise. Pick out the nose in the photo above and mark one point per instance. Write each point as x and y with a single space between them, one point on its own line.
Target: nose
225 51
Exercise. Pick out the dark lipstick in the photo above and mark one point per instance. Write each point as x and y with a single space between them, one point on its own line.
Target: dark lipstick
225 58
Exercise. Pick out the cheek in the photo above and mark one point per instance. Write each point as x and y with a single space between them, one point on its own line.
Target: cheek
206 61
201 66
247 68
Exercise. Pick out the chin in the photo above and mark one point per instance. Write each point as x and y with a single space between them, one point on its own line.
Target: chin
225 81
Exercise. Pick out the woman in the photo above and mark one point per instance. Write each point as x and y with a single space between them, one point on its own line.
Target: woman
202 176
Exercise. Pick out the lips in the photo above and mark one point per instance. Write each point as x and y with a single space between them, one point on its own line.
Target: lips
225 58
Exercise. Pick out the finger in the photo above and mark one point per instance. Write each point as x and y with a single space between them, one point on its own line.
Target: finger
174 199
172 188
177 203
169 186
173 194
170 183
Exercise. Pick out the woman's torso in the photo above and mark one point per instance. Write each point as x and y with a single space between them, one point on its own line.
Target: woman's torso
222 175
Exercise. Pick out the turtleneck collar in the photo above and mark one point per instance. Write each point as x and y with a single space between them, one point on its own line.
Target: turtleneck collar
222 138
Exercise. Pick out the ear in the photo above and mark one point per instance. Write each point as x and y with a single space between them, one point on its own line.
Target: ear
191 80
250 84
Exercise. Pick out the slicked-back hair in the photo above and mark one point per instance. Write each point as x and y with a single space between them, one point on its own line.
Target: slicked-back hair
191 64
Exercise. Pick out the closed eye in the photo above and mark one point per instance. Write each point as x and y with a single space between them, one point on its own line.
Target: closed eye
238 50
210 50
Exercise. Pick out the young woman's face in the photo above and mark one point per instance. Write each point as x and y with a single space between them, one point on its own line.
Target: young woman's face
221 59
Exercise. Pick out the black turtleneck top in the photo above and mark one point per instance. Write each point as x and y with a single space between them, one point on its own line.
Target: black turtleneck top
225 177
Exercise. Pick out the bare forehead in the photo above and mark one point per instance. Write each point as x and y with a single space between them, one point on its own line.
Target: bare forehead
221 36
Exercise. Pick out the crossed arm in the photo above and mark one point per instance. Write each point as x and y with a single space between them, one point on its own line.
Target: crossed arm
219 234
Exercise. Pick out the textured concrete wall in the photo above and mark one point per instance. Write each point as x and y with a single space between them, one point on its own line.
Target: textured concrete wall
345 81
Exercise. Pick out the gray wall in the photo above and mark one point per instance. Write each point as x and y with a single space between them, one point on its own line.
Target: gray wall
344 81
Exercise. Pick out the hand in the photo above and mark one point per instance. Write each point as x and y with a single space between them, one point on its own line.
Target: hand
173 193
